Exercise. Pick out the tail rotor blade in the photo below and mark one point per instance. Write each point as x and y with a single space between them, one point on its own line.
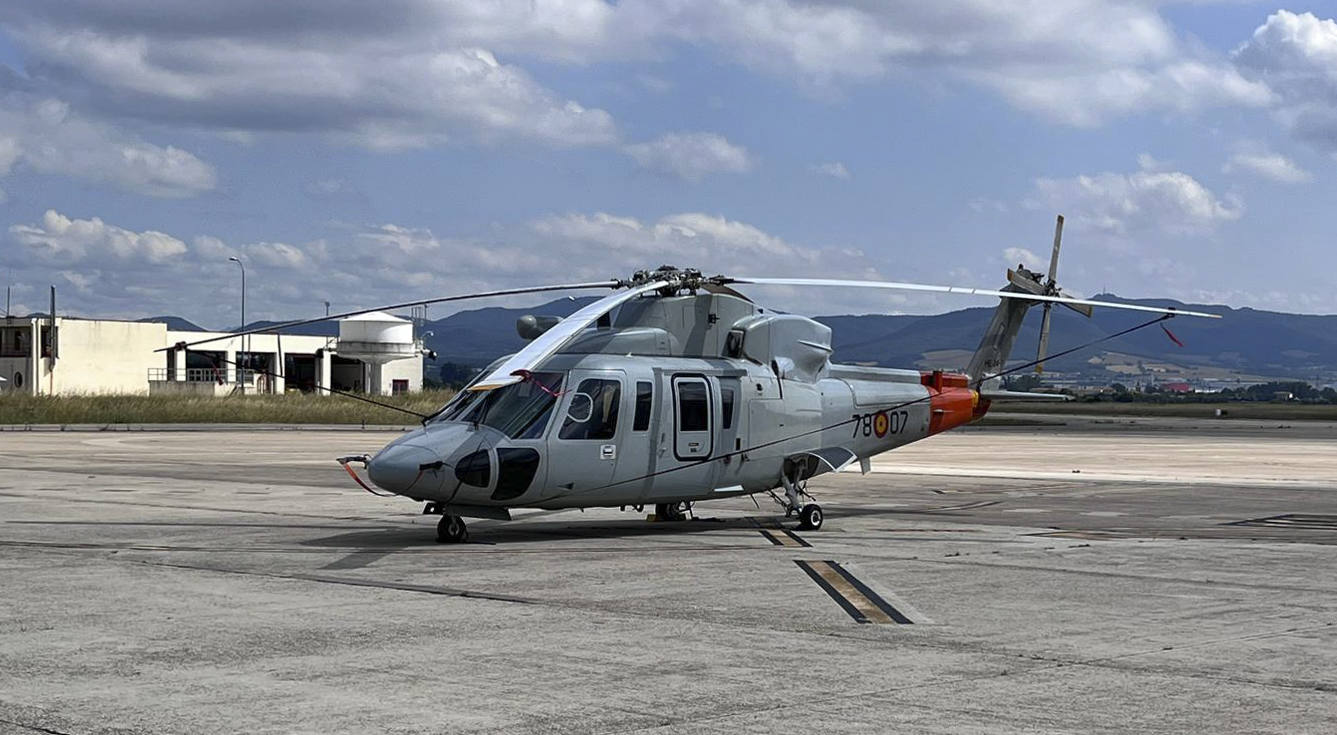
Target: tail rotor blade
1053 258
1044 340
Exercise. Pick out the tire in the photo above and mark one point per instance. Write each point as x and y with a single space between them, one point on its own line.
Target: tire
810 517
668 512
451 530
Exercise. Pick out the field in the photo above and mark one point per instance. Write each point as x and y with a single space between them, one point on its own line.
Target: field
263 409
1239 410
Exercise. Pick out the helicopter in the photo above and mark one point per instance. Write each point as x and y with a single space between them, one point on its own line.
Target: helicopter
676 388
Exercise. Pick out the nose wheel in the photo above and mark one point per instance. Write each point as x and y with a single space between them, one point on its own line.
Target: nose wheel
451 530
810 517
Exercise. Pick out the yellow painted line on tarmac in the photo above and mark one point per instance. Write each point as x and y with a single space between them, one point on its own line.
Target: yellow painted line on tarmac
853 596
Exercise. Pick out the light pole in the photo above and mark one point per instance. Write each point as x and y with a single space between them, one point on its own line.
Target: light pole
241 361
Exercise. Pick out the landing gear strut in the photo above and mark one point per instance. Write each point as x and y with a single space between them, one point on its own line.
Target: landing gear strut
451 530
809 514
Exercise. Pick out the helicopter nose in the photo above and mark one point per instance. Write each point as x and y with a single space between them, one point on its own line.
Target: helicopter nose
399 466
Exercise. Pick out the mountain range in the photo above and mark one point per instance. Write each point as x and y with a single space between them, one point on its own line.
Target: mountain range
1244 343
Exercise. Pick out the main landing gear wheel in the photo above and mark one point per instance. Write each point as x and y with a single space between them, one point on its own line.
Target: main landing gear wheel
669 512
810 517
451 530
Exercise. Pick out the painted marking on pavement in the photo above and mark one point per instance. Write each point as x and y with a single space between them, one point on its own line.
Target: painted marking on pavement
854 597
1308 521
784 537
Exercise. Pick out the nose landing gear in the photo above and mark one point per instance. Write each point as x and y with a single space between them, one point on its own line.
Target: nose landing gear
451 530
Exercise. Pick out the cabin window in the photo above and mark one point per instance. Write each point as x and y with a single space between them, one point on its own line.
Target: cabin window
475 469
645 397
727 401
517 467
592 413
693 406
733 343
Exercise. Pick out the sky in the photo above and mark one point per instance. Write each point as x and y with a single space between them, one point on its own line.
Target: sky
364 153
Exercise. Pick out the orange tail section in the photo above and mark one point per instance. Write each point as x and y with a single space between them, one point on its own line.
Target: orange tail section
952 401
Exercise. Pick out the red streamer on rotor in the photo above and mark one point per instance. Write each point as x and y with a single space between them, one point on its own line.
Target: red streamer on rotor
1171 335
527 376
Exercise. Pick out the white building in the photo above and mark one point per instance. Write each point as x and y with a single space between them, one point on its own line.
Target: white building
101 356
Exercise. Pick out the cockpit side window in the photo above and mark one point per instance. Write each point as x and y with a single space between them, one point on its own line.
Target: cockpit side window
520 410
645 398
462 398
727 400
594 410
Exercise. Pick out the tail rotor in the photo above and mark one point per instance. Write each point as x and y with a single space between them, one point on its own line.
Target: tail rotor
1049 284
1032 282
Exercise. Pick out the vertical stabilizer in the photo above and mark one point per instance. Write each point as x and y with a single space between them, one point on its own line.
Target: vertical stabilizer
996 345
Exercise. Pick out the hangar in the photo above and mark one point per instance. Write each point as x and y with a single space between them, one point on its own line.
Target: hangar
375 353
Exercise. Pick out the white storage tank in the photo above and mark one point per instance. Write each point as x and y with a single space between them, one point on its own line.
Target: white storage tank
376 338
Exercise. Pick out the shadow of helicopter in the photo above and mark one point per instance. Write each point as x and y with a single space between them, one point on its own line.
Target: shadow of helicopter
374 544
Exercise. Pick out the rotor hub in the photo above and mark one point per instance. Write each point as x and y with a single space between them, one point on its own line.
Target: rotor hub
677 279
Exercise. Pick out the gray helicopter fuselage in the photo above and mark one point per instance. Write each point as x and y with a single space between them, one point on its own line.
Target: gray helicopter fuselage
677 398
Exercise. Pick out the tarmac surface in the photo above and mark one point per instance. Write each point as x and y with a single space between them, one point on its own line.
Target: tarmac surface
1167 575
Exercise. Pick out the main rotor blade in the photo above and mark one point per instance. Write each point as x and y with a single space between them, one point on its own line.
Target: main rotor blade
963 290
552 341
401 305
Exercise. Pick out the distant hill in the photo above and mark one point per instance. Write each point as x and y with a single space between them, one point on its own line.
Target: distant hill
1247 341
319 329
479 336
174 323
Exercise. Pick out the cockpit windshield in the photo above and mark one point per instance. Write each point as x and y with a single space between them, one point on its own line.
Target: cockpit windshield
519 410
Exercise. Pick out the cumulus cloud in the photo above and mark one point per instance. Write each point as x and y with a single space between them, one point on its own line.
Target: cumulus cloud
384 76
277 254
1295 55
1139 202
43 135
1090 98
1023 256
415 72
690 239
1273 166
1078 62
365 266
60 239
690 155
